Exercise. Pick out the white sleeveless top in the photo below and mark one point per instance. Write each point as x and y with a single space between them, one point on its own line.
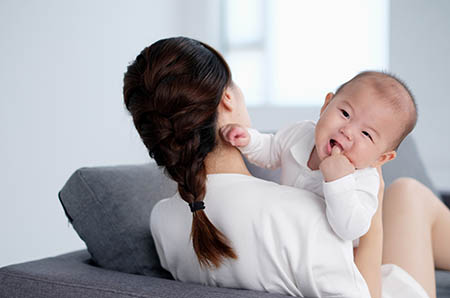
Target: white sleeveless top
281 235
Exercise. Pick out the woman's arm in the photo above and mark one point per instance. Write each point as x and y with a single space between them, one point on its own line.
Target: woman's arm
368 256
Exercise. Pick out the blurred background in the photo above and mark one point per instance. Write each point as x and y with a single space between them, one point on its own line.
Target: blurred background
62 65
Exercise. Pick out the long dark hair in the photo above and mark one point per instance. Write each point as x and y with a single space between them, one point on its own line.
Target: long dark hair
172 91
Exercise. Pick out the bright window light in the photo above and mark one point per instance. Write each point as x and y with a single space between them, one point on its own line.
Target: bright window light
291 53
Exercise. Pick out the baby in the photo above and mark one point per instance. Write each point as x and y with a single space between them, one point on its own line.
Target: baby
359 129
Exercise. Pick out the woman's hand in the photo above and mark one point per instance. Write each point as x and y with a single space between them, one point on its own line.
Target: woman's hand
381 188
377 218
368 256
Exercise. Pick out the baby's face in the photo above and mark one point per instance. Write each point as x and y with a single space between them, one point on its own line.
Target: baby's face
362 125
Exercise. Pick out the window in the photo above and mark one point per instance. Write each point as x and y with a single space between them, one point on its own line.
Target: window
291 52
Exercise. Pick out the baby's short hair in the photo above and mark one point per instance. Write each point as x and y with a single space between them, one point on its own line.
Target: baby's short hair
394 91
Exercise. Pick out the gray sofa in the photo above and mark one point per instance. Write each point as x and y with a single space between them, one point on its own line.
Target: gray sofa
109 209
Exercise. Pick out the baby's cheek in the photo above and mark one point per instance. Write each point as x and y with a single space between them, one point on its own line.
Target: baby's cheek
355 161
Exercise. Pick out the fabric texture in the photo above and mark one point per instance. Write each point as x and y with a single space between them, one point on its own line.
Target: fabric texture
398 283
74 275
109 208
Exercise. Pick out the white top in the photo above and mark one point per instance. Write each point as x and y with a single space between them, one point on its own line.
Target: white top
280 234
351 201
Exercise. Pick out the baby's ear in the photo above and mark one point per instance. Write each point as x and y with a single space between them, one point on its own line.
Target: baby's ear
384 158
328 98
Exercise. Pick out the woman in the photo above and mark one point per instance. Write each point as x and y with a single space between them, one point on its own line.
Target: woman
257 234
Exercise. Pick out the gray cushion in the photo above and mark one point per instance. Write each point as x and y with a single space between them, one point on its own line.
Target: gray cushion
109 207
443 284
73 276
407 164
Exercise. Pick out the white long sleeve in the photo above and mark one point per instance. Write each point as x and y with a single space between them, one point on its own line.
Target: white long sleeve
262 150
266 150
351 203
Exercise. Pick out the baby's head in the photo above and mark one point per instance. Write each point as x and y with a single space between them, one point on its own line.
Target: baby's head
368 118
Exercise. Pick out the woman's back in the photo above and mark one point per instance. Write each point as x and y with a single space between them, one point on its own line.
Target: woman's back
280 234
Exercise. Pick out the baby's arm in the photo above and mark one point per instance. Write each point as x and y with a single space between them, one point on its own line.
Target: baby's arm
351 202
260 149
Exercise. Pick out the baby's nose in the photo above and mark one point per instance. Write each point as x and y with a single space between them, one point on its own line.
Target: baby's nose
347 133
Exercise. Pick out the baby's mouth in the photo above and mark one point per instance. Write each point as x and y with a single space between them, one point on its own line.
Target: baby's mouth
333 143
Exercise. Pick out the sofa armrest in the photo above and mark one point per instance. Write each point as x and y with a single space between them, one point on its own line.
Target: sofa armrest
74 275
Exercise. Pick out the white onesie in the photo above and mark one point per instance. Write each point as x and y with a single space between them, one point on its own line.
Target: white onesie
351 201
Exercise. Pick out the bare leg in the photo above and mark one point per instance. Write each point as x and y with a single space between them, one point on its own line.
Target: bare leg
441 236
416 228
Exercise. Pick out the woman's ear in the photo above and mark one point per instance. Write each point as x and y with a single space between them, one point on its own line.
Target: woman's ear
328 99
226 107
384 158
227 101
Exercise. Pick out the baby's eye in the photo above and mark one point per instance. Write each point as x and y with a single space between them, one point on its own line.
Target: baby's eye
345 114
367 135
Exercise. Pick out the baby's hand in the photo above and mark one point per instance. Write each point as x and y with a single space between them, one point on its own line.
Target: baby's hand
336 165
235 134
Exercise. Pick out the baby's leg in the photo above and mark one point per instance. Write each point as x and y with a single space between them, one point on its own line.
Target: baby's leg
412 218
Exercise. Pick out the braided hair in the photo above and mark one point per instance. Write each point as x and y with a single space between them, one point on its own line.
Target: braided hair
172 91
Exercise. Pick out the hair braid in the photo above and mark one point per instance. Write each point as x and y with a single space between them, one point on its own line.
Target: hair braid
172 91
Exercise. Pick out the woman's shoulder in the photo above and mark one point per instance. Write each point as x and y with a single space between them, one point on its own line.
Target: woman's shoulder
254 196
249 185
257 196
250 202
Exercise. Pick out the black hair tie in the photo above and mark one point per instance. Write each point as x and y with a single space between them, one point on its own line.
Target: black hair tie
197 206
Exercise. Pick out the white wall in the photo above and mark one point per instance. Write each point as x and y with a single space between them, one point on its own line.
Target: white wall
61 71
420 54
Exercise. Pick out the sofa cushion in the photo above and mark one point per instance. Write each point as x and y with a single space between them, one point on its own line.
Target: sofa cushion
407 164
73 276
109 208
